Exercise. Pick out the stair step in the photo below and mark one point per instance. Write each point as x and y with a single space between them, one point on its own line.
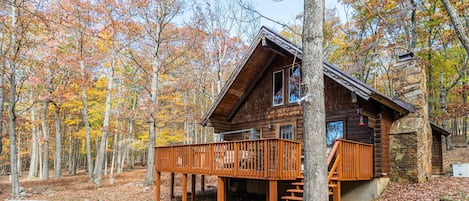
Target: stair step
332 185
291 198
298 183
295 191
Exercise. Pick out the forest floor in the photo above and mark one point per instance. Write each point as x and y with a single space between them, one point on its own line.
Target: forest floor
439 188
129 186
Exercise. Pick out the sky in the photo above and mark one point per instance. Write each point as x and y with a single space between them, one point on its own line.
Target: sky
284 11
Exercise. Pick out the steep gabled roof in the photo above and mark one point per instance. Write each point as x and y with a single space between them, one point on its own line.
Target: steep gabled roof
262 51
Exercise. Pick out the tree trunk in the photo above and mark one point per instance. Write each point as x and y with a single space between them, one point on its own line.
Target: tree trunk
105 130
313 106
151 144
457 24
2 87
45 145
34 146
89 162
58 145
15 186
449 143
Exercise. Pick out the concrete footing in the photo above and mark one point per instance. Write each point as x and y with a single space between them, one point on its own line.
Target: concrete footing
363 190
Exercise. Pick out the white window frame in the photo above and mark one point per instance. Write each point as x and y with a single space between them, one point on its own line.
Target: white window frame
289 76
273 87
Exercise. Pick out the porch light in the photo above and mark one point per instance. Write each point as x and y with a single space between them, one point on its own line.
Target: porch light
354 97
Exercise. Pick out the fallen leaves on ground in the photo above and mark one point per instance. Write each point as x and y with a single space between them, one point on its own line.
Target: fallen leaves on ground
443 188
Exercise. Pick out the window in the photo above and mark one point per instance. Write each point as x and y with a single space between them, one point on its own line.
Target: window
294 83
278 88
256 135
334 131
286 132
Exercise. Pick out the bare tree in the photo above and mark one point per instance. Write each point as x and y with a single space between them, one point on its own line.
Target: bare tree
457 24
313 107
463 37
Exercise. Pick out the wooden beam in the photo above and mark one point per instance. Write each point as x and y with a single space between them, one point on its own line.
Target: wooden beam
273 190
336 192
184 187
171 189
193 182
202 183
251 87
221 189
157 186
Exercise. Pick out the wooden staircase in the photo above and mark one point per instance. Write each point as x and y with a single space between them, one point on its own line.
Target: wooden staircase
296 193
333 177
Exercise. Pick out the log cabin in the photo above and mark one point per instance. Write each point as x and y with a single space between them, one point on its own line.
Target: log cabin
258 118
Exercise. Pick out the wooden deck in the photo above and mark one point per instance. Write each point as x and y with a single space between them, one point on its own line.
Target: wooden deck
267 159
264 159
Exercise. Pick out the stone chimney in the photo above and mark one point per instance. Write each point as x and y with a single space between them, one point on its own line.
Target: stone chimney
410 136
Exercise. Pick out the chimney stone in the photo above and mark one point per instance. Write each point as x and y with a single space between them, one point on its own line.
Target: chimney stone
410 136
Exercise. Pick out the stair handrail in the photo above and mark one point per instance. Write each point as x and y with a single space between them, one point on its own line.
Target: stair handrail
335 151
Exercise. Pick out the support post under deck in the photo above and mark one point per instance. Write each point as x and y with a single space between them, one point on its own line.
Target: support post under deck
171 189
184 187
272 194
221 189
157 185
193 183
202 183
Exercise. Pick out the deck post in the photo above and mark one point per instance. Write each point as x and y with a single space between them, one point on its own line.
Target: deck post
272 194
336 192
171 188
184 187
202 183
157 185
193 182
221 189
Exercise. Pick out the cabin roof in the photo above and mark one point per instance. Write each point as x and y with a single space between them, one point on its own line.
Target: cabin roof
265 46
438 129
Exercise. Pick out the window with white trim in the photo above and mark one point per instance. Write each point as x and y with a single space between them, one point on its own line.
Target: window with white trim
278 88
294 83
286 132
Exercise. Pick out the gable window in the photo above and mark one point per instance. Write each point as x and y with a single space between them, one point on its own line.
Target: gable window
294 81
278 88
286 132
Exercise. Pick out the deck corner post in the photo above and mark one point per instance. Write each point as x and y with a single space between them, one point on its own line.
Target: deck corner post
158 185
221 189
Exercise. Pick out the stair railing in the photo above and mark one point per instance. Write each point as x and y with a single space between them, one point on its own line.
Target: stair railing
334 158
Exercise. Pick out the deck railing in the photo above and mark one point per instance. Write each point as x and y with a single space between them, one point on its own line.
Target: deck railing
350 161
274 159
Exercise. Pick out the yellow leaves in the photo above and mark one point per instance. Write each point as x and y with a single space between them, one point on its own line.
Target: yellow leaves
82 133
169 136
104 44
